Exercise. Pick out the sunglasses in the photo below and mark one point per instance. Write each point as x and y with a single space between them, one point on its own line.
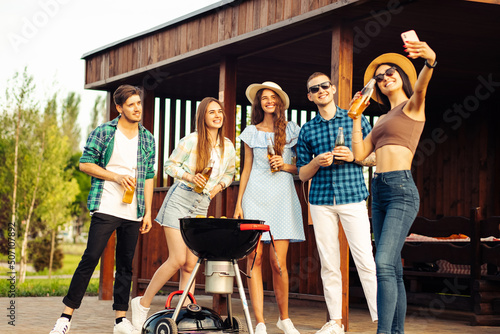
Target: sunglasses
390 72
314 89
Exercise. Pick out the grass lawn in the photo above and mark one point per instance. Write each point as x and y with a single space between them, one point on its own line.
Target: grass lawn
53 286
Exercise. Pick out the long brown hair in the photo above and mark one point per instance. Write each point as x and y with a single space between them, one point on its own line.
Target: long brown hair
203 146
278 117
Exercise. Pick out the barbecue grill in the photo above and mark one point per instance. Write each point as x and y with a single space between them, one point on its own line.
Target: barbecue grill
221 243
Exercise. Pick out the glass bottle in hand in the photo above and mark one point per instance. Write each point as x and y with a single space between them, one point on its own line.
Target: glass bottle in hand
339 142
207 171
270 153
360 104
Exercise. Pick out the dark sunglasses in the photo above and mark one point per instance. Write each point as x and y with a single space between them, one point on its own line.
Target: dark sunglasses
325 85
390 72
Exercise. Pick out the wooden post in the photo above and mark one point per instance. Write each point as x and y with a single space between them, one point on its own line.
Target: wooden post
161 144
227 95
341 67
108 255
148 110
107 264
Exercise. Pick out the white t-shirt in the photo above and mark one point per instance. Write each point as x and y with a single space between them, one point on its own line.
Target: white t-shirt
123 161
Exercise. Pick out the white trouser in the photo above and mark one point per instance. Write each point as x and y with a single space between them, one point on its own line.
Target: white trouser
356 224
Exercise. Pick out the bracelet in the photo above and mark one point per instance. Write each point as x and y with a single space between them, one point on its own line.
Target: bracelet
429 65
358 131
222 186
357 141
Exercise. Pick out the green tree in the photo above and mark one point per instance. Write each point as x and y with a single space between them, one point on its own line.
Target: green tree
69 115
18 138
59 189
38 182
79 207
98 113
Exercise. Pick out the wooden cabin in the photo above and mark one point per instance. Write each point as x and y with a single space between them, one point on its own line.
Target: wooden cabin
221 49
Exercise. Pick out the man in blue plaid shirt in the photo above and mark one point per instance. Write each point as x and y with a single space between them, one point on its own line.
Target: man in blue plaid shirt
120 156
337 193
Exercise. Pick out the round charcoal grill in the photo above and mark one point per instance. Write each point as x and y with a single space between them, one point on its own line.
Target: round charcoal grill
220 238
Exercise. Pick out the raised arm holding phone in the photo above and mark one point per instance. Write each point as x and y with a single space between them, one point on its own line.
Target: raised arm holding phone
394 139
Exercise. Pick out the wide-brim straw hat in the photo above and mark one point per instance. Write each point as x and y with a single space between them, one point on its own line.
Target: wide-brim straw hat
254 88
394 58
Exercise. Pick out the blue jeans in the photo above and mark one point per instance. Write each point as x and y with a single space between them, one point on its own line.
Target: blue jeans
394 208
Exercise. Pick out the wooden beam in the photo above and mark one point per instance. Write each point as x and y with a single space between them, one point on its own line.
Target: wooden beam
227 94
161 144
148 110
108 256
171 131
106 272
182 130
341 75
111 112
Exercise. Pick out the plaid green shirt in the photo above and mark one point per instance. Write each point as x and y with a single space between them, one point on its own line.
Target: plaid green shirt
98 150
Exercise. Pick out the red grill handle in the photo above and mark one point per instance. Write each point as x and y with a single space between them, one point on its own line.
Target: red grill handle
178 292
254 227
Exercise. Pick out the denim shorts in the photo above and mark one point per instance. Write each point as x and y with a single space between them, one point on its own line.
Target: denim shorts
181 201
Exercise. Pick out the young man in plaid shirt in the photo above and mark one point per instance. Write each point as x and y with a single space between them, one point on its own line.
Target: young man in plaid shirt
338 192
119 155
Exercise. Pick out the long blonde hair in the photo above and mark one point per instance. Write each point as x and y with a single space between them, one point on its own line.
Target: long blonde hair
278 117
203 146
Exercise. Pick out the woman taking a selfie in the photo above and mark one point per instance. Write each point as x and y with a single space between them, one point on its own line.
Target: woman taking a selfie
395 198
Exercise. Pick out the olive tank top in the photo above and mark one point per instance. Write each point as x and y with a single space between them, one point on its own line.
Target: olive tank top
397 128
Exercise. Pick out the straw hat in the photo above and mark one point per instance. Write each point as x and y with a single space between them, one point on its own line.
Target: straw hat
254 88
394 58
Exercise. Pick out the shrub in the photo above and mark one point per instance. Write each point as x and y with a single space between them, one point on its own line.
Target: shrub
39 253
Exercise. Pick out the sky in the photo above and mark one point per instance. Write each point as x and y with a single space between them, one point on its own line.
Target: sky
49 37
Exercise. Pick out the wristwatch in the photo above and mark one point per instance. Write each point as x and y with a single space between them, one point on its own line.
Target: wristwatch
429 65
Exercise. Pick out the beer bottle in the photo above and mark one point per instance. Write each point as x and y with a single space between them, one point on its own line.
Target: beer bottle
360 104
206 174
128 195
339 142
270 153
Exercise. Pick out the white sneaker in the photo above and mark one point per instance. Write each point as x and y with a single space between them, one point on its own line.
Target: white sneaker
331 327
139 312
125 327
260 328
287 326
62 326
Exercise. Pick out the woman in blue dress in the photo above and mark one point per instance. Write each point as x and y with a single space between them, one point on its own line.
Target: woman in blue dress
270 196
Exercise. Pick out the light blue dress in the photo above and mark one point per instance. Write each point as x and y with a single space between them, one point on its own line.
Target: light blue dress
271 196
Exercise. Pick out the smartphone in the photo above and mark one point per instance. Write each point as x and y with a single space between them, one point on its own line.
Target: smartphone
410 35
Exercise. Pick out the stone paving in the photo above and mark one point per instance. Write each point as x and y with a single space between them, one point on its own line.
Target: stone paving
37 315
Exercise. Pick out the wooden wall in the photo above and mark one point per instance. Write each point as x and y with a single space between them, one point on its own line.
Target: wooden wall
457 164
219 25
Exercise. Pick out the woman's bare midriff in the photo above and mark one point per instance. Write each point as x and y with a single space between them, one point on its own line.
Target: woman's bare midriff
393 157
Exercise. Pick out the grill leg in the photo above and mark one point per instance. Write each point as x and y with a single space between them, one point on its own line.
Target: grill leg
229 310
242 296
186 289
